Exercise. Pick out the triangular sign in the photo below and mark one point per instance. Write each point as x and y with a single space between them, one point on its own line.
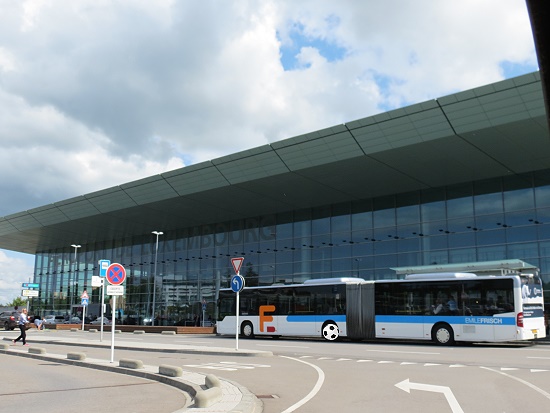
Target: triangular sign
237 263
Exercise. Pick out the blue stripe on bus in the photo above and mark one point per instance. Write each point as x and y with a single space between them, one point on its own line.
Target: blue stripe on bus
315 318
419 319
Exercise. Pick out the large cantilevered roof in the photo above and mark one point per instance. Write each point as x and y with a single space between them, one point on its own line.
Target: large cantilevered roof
497 130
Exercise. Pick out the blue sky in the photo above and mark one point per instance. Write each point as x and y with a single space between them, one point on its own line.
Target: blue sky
298 39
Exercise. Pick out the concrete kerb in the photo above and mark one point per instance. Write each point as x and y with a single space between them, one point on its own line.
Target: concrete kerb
190 383
181 350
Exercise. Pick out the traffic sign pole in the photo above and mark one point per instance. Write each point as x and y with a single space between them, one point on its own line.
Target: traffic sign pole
115 275
84 303
237 283
102 306
103 265
112 329
237 323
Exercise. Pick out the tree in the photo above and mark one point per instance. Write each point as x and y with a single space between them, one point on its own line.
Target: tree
17 302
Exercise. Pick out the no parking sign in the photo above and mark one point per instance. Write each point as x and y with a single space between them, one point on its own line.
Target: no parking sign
116 274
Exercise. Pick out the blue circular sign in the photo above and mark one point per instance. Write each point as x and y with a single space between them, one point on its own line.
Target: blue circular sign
237 283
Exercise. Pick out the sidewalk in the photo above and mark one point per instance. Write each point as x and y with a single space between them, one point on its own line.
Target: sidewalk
206 393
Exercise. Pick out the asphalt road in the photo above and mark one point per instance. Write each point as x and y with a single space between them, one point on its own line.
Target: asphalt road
36 386
312 376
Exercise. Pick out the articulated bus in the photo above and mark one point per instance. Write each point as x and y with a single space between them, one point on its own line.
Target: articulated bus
442 307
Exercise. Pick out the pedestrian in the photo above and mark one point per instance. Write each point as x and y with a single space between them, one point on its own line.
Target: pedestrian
22 324
39 323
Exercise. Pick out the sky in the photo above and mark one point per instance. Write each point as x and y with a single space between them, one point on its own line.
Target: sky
97 93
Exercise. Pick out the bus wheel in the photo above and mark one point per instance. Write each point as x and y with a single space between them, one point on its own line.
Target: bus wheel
247 330
330 331
443 334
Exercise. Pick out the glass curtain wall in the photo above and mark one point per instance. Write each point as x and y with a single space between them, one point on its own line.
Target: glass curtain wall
504 218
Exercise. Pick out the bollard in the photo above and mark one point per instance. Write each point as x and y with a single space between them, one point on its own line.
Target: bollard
131 364
76 356
208 397
171 371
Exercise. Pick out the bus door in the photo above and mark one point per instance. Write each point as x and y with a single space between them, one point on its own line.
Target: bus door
500 309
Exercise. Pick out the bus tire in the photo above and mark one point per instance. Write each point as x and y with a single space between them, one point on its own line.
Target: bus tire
443 334
330 331
247 330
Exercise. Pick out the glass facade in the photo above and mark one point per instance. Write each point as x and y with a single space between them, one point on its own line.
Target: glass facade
497 219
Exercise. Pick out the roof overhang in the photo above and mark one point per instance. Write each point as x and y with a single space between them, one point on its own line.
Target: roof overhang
496 130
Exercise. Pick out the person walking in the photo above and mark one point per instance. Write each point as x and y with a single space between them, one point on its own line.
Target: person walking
22 324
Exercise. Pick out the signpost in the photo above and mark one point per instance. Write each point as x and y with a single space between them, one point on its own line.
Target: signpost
84 303
237 284
26 292
115 275
103 265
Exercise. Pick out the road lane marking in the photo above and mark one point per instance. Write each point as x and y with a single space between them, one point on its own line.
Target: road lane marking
279 345
537 389
313 392
402 352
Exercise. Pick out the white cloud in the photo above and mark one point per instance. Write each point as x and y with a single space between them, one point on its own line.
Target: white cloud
96 93
14 269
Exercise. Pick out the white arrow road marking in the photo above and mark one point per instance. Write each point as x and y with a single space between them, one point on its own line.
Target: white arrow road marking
406 385
228 366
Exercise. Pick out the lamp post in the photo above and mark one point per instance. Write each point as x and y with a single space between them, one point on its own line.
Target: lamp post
157 233
71 284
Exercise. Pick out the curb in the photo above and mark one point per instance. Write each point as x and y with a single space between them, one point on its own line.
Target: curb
206 350
198 397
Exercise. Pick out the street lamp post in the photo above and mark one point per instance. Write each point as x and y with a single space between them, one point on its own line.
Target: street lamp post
71 283
157 233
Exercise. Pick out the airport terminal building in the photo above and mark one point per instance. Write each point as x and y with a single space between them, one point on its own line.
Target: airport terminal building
464 178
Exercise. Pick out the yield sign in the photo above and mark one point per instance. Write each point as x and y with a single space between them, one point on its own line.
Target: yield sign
237 263
116 274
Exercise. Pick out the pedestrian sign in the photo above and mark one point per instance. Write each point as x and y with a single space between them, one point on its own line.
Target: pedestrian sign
103 265
84 302
116 274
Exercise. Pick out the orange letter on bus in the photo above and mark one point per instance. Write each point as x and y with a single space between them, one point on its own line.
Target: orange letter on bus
266 318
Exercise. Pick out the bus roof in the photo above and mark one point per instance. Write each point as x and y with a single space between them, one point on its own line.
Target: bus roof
440 275
342 280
